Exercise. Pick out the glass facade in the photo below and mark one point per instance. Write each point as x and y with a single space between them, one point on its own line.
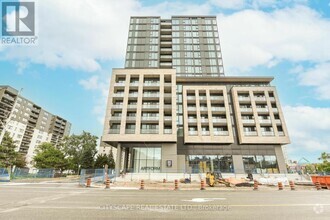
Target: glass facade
146 160
260 164
210 163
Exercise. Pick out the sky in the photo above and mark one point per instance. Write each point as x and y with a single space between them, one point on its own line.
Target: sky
79 42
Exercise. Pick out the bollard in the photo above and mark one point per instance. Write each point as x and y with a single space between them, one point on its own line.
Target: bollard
280 185
176 184
142 185
292 186
202 185
107 183
255 185
318 185
164 180
88 182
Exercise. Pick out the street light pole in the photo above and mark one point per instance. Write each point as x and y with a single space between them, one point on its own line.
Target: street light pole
6 122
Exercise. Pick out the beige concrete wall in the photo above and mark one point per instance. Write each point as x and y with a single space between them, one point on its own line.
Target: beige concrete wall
169 152
259 138
211 138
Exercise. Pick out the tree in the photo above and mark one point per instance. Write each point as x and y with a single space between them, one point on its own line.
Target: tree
48 156
101 160
8 155
325 165
79 150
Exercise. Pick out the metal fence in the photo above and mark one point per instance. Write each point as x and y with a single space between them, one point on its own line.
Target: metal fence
26 173
97 175
4 175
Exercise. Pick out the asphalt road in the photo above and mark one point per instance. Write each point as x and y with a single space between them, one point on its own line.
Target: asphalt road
67 201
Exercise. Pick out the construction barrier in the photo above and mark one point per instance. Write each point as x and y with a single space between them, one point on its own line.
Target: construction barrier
292 186
318 185
280 185
142 185
176 184
107 184
88 182
202 185
255 185
324 181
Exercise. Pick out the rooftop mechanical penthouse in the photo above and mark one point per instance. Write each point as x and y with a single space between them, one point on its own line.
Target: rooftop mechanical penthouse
171 109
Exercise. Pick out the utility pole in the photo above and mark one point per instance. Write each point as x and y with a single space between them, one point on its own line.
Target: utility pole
6 122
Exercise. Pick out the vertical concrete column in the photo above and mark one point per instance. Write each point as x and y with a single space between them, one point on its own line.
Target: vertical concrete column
280 159
255 113
118 160
271 113
126 159
238 164
209 111
161 104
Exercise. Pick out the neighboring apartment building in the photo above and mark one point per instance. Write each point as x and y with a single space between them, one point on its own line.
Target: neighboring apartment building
172 109
29 124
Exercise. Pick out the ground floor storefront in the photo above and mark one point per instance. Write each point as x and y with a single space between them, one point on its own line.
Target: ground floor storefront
163 158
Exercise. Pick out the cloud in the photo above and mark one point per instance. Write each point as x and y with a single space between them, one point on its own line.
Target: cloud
82 35
308 129
229 4
318 77
251 38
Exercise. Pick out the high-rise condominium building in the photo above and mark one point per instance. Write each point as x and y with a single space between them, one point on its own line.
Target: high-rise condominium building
29 124
171 109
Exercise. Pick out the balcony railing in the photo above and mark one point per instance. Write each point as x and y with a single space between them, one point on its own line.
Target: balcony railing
134 84
204 120
272 99
131 118
167 95
262 109
219 109
275 110
117 106
131 106
191 97
129 131
205 133
277 121
167 106
168 118
151 83
250 133
114 131
149 131
219 120
166 64
167 131
267 133
203 108
202 97
116 118
151 95
191 108
219 98
260 98
192 133
281 133
243 98
192 120
220 133
150 106
265 121
118 95
150 118
133 95
248 121
120 84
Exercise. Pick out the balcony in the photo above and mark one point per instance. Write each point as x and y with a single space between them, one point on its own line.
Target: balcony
275 110
9 97
218 109
134 84
217 98
117 106
281 133
131 106
191 97
250 133
150 106
151 84
219 120
130 118
248 121
202 98
115 118
204 109
278 121
205 133
260 98
204 120
168 118
220 133
191 108
149 131
114 131
166 58
262 110
167 65
272 99
166 44
192 120
151 95
133 95
167 84
119 95
165 51
167 131
167 95
120 84
267 133
129 131
167 106
265 121
150 118
243 98
192 133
